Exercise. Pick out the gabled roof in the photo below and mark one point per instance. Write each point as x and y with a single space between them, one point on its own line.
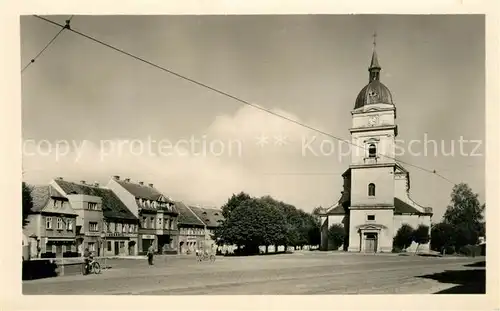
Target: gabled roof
186 216
141 191
112 206
41 196
210 216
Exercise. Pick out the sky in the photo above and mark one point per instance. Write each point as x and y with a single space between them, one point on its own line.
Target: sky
309 68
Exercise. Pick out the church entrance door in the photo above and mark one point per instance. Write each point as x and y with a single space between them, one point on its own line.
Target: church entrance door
371 243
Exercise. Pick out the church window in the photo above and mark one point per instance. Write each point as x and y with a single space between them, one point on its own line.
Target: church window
370 217
371 190
372 151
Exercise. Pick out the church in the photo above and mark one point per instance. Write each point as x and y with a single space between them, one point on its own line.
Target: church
375 201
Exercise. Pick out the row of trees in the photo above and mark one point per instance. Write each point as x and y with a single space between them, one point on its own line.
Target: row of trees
250 222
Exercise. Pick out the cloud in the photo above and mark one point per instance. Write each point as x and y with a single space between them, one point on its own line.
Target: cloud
204 169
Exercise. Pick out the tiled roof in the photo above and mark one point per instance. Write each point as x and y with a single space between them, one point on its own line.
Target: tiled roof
210 216
140 191
112 206
41 196
186 216
401 207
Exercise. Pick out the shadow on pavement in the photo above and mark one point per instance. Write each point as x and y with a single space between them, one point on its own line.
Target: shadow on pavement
471 281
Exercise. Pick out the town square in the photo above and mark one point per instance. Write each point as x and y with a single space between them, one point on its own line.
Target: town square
253 155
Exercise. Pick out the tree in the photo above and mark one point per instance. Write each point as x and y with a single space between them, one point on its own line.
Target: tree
336 234
251 224
233 202
404 237
442 237
465 213
421 235
27 202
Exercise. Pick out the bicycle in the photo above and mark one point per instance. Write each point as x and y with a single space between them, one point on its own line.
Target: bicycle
206 257
92 267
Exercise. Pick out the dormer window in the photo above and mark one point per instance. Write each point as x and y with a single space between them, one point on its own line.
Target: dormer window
372 151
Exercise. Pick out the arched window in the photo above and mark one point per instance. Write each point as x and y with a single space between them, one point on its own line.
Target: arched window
371 190
372 151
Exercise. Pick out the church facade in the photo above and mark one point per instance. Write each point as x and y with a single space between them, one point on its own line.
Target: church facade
375 201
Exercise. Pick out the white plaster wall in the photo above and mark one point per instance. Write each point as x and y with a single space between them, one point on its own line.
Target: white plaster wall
383 179
126 197
382 217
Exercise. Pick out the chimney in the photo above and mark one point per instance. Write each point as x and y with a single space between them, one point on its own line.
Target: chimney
82 182
96 184
59 178
141 183
151 185
127 179
116 177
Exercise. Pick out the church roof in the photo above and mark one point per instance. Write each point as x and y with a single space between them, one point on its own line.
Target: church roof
400 207
375 92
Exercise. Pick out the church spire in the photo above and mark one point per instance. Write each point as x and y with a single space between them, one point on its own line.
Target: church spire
374 65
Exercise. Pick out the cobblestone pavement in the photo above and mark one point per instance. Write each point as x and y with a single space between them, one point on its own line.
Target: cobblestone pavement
298 273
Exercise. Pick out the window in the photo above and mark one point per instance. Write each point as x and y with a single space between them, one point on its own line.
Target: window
125 228
93 227
105 227
144 222
370 217
371 190
69 224
131 228
152 223
91 246
122 244
59 224
109 246
92 206
48 222
372 151
119 227
112 227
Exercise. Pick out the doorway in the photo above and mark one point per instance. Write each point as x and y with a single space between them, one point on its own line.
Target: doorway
370 242
117 248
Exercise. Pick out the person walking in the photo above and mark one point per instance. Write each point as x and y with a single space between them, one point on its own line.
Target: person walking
150 255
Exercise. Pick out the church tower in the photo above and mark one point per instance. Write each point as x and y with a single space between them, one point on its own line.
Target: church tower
371 171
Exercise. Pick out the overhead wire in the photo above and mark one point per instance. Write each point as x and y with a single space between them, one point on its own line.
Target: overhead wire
32 61
434 172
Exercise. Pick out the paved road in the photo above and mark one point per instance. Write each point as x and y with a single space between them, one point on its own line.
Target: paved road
298 274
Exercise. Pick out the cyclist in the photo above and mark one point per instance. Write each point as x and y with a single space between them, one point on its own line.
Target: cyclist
87 257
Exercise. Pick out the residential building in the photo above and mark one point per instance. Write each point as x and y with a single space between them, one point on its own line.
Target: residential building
211 218
375 201
191 229
51 227
156 213
105 225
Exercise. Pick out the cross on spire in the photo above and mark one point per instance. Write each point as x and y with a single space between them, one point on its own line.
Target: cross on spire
374 39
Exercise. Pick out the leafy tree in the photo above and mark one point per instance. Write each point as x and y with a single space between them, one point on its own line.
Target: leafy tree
336 234
27 202
421 235
442 237
251 224
233 202
404 237
466 214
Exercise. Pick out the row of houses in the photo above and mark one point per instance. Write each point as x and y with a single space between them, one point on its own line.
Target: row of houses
119 219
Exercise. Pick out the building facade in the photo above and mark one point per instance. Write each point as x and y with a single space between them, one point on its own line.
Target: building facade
191 229
156 213
375 200
104 225
51 227
210 218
